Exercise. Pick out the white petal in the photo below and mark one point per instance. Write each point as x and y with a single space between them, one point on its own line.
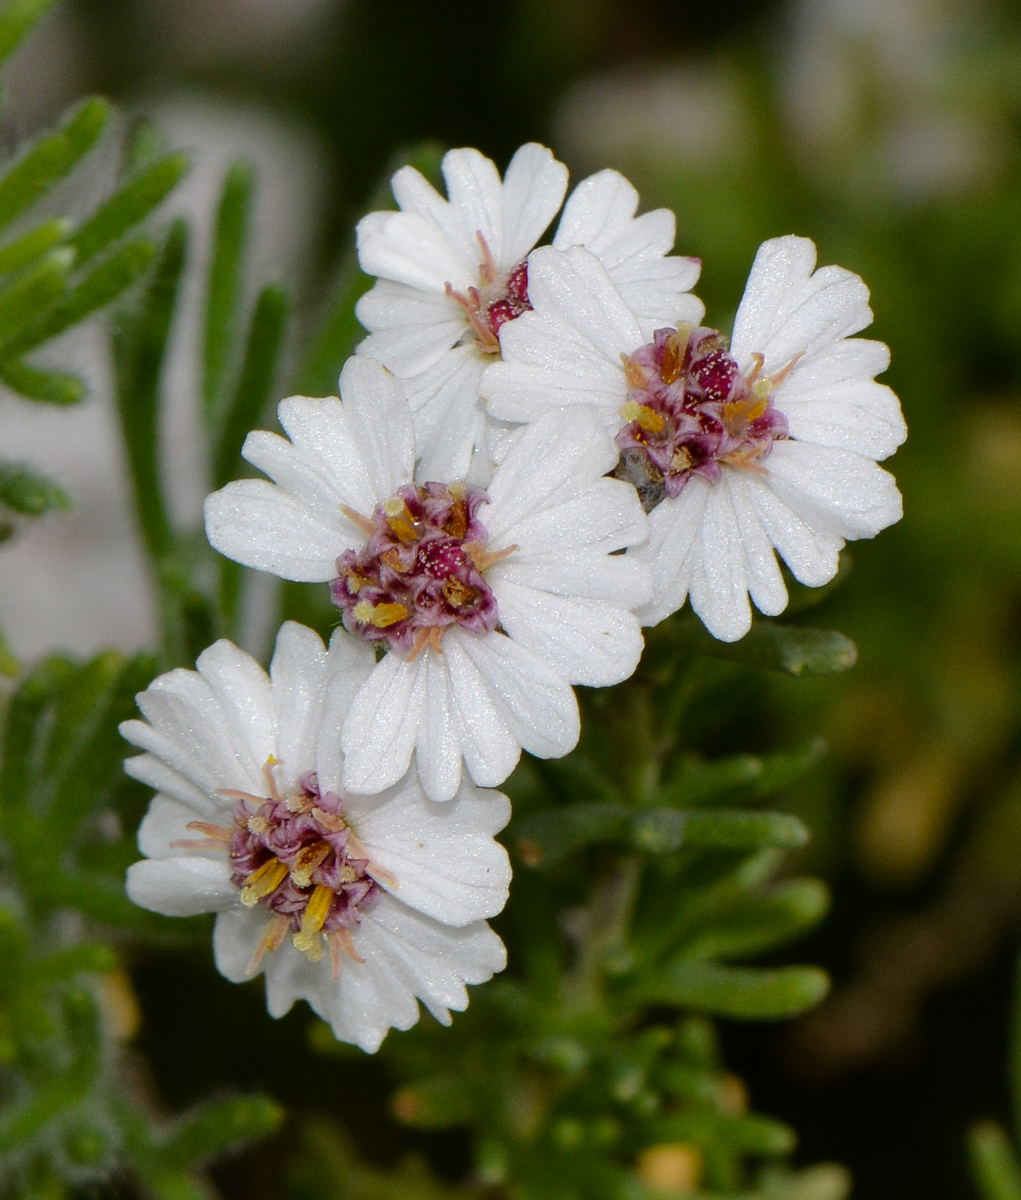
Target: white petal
533 190
245 696
574 285
619 578
719 570
236 935
411 249
843 493
410 330
298 672
382 725
809 547
257 524
536 703
438 750
379 411
166 821
183 886
787 310
490 750
330 457
585 641
349 664
545 465
476 196
450 424
444 857
673 530
153 771
765 581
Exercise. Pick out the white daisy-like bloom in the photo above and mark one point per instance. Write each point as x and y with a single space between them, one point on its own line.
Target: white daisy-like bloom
356 904
453 273
489 605
768 445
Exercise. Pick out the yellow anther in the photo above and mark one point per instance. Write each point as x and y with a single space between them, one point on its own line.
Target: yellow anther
263 881
307 861
394 506
682 460
399 519
763 388
380 615
672 362
257 825
646 417
458 594
306 939
637 376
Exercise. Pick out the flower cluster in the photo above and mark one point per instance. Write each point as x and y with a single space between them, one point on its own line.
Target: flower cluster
534 453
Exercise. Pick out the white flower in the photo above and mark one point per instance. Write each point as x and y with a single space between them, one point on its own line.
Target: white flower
453 273
768 445
490 604
356 904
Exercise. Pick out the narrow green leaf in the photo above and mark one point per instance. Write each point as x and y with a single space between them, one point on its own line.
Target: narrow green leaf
43 386
733 830
223 295
749 1133
9 664
755 924
993 1162
33 245
131 204
340 330
220 1127
546 838
705 782
442 1102
103 284
25 298
56 968
17 18
25 491
258 373
50 158
769 646
139 349
743 992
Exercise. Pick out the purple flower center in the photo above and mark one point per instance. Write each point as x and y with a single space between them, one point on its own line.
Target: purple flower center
690 411
421 571
497 299
298 858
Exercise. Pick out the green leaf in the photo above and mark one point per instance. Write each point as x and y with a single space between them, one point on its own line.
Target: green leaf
9 664
755 924
32 245
25 298
131 204
258 373
223 296
340 331
18 18
733 830
24 491
51 158
140 345
105 283
743 992
769 646
220 1127
43 386
547 838
701 783
993 1162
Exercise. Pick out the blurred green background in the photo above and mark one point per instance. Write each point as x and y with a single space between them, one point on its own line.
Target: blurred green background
887 130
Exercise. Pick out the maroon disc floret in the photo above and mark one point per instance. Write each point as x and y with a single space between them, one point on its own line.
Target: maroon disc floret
690 409
421 571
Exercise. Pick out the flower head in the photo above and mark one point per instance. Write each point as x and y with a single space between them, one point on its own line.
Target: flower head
767 443
490 604
454 273
357 904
